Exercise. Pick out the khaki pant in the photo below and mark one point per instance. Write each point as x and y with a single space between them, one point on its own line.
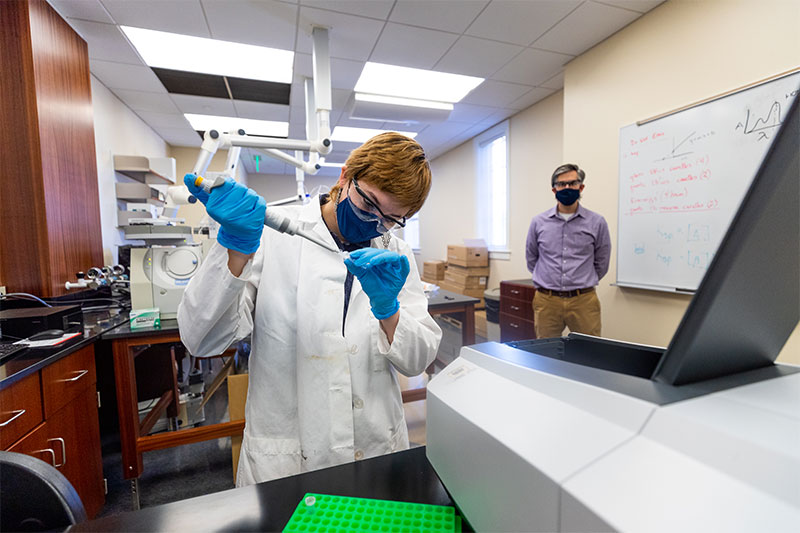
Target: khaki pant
581 314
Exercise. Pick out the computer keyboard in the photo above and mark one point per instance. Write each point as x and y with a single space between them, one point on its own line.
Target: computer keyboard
7 350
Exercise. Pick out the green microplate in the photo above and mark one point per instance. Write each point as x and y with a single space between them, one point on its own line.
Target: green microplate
328 513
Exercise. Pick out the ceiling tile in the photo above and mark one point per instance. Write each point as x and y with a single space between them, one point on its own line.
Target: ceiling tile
477 57
437 14
176 16
204 105
442 132
126 76
514 21
344 72
556 82
164 120
339 97
82 9
106 42
530 98
378 9
532 67
585 27
262 22
142 101
470 113
179 136
495 93
407 46
261 111
350 37
642 6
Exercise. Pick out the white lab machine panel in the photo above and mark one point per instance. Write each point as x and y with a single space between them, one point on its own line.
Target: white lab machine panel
522 433
159 275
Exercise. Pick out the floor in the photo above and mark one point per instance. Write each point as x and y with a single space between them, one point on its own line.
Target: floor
206 467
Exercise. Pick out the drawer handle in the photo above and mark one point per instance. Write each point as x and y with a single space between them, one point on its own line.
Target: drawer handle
63 452
515 308
81 373
514 291
52 452
513 325
17 413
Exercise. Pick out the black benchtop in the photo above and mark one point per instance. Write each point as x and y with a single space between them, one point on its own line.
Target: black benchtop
26 362
405 476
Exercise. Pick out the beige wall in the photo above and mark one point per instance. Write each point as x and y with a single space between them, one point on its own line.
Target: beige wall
185 158
117 130
681 52
448 216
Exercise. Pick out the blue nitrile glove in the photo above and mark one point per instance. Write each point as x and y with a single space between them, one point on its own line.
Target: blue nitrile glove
239 211
382 274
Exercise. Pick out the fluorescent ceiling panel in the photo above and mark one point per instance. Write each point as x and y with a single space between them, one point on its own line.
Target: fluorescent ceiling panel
394 100
269 128
405 82
210 56
361 135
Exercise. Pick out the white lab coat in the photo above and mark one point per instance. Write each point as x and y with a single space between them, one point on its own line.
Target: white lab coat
316 398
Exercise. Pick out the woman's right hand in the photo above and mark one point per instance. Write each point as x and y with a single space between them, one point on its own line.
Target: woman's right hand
240 212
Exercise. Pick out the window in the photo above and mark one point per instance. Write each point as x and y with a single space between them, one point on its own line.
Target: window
411 232
492 187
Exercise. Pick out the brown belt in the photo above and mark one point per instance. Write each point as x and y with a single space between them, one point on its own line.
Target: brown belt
566 294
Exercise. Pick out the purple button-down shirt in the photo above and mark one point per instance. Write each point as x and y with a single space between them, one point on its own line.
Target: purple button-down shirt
564 255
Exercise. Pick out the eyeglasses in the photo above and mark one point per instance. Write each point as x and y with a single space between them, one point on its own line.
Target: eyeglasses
564 184
372 216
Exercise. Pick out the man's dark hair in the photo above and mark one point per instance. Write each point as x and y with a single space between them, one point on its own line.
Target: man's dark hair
568 167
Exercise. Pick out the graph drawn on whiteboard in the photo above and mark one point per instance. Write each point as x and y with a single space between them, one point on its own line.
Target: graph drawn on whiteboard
682 178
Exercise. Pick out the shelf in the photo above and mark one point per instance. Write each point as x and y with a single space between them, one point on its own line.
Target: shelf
139 193
150 170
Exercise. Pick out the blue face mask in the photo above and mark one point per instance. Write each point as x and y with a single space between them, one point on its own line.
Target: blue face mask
352 228
568 196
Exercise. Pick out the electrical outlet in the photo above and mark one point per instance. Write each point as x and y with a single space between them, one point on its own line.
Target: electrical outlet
2 290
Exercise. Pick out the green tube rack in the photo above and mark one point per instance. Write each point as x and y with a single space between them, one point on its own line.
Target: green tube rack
317 513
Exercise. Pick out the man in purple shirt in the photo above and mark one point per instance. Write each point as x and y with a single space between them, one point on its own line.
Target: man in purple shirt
567 250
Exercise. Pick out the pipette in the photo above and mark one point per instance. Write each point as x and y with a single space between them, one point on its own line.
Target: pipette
276 221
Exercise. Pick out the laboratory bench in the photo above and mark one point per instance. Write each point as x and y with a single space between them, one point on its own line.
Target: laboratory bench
405 476
51 379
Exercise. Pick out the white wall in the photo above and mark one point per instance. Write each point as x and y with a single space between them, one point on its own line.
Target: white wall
117 130
679 53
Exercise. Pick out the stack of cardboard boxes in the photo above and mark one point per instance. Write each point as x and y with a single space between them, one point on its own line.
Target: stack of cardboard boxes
467 271
433 271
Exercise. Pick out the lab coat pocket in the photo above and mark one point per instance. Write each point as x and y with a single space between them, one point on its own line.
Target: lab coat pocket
263 459
398 439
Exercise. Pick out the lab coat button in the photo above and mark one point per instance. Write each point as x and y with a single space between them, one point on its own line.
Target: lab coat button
359 454
358 403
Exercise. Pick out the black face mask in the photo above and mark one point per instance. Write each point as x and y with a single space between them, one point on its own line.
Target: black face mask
568 196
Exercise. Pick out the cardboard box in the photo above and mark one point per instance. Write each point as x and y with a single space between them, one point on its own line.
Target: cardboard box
467 256
475 293
430 280
237 397
462 278
434 269
468 271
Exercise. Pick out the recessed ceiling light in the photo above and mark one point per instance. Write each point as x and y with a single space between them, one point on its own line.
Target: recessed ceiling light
269 128
209 56
361 135
394 100
405 82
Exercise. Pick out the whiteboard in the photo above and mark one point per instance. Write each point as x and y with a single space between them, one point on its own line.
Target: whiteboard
682 178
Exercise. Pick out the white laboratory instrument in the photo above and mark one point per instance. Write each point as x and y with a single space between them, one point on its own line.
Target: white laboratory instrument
588 434
159 275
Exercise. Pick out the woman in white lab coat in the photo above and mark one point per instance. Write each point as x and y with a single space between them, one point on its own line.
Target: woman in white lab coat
323 367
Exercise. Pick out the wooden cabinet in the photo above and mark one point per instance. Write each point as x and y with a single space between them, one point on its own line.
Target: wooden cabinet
516 310
66 433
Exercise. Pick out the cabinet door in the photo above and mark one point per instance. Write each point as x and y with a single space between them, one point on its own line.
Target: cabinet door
70 441
513 328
